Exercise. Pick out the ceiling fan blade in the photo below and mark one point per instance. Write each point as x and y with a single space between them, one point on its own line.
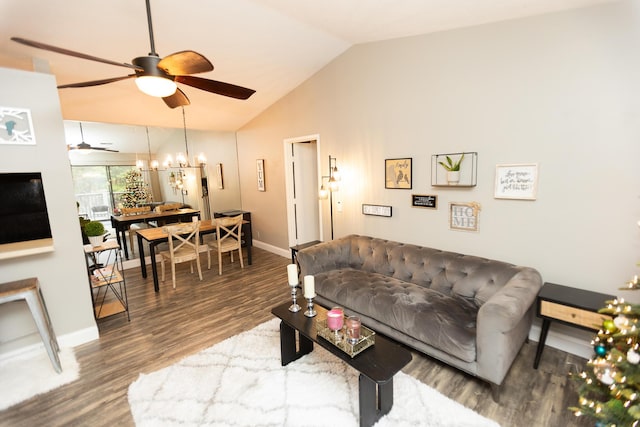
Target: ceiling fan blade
214 86
96 82
178 99
185 62
72 53
86 147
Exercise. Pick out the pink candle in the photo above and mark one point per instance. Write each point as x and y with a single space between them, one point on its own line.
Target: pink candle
353 329
335 318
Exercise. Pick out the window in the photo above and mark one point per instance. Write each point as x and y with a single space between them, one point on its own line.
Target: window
98 189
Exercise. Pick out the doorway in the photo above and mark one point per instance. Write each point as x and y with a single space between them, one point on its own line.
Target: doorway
301 176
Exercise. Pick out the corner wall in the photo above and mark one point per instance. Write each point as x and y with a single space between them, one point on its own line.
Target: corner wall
62 273
561 90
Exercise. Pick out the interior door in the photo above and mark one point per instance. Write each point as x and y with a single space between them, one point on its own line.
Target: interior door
302 186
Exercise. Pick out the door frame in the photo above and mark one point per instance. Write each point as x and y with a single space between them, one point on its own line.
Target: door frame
291 230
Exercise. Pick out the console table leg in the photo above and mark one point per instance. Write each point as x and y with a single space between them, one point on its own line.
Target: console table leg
376 400
288 348
541 341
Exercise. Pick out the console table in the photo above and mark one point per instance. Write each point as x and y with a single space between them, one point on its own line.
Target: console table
569 306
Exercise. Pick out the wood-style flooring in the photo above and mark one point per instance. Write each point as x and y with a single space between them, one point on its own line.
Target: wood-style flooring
172 324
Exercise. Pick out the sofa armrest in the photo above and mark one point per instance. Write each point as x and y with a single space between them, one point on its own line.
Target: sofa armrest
325 256
504 322
505 308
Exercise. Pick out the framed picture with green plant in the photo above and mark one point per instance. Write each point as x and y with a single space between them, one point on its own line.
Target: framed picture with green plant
454 169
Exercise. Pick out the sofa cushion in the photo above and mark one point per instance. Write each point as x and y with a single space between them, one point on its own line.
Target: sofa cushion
447 322
449 273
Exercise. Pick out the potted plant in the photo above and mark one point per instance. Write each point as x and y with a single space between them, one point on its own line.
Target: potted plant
453 169
95 232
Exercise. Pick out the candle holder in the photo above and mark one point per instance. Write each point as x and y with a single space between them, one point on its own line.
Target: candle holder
310 312
294 296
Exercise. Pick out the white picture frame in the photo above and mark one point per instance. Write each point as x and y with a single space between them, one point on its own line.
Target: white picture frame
516 181
260 174
16 126
219 176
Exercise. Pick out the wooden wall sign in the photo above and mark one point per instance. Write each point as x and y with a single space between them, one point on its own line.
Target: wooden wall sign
376 210
464 216
424 201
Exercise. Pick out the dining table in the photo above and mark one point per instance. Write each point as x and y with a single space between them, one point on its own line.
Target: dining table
121 223
156 235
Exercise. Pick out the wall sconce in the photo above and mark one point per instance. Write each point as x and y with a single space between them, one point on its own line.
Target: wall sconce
333 184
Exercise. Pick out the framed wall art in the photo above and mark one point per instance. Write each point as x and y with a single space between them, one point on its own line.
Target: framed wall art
424 201
219 176
397 173
516 181
464 216
260 174
376 210
454 169
16 126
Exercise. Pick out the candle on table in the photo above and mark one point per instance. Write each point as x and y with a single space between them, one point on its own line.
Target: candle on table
353 329
335 318
292 273
309 287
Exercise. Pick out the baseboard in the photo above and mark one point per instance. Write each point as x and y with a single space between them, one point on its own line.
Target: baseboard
570 340
273 249
72 339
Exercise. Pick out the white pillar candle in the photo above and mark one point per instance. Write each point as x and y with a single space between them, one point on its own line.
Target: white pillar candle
292 273
309 287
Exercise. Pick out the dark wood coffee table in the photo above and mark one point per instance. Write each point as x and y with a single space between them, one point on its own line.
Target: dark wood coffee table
377 364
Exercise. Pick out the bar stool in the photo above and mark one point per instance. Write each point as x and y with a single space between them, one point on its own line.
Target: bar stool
29 290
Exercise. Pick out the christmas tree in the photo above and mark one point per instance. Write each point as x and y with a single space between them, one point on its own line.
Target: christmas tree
136 191
609 387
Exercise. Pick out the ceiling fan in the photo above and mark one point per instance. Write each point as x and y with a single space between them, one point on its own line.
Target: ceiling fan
157 76
83 147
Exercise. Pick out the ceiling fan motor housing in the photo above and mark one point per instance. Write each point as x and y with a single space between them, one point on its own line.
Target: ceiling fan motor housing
150 65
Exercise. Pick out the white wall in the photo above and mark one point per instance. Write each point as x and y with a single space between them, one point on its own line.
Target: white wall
561 90
62 273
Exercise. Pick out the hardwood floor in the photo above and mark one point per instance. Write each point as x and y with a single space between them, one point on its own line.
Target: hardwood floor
169 325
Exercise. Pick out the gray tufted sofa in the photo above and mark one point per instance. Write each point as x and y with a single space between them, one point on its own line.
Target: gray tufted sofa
469 312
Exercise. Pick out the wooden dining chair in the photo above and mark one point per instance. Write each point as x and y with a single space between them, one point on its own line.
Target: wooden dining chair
136 225
184 245
228 238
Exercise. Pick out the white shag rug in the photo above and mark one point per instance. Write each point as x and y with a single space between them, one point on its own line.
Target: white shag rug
240 382
32 373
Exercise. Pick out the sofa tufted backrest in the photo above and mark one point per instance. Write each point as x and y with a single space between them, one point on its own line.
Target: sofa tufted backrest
450 273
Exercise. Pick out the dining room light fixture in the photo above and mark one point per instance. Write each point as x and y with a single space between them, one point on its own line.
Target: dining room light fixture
182 159
153 165
333 184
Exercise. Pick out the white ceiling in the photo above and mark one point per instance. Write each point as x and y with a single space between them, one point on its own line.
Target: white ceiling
268 45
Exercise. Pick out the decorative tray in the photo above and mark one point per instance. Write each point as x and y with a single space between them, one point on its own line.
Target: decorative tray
367 338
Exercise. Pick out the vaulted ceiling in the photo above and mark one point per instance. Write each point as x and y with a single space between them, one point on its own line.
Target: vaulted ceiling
270 46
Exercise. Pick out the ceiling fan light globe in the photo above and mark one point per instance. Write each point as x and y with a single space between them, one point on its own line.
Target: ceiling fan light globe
159 87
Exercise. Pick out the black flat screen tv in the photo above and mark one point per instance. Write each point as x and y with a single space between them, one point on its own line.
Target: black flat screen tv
23 209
